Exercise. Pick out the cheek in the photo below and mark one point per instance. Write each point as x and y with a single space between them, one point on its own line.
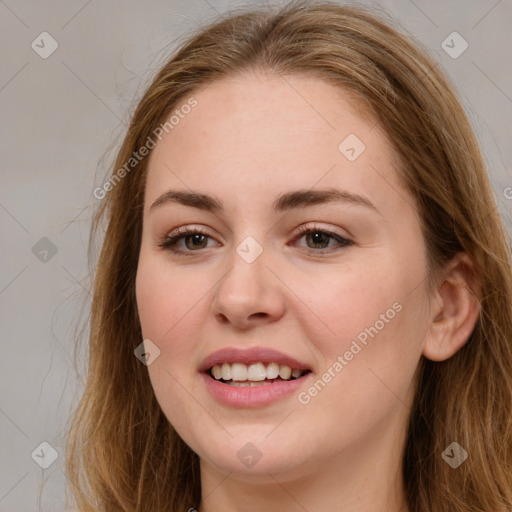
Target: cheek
165 310
368 327
166 299
341 305
166 305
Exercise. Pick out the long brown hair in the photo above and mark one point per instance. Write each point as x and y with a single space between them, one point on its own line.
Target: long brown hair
123 455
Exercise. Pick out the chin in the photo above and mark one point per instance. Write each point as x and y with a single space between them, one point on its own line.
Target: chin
257 460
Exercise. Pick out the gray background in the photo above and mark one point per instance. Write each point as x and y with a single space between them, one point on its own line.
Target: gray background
62 119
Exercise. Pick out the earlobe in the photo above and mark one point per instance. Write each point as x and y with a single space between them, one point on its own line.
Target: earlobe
455 311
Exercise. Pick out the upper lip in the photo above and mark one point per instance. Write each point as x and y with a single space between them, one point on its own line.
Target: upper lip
249 356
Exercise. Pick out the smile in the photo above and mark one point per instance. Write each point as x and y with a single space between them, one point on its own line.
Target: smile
256 374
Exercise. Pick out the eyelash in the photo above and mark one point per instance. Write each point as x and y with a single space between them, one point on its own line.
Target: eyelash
170 242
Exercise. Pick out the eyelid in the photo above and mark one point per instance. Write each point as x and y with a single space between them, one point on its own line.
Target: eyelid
305 228
184 230
342 241
171 239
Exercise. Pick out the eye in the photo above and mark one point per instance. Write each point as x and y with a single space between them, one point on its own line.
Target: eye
320 237
195 240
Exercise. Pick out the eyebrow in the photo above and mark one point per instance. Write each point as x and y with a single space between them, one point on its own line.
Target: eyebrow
284 202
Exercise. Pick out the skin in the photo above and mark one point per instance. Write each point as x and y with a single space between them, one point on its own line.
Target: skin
248 140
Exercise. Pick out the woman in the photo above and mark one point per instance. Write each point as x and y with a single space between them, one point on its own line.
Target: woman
304 294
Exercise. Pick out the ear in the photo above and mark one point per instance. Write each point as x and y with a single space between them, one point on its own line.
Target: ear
455 310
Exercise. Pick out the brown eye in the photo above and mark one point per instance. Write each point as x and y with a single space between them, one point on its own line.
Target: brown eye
194 240
318 240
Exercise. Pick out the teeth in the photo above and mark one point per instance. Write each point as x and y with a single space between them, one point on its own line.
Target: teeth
296 373
216 372
238 371
248 383
285 372
226 371
256 372
242 375
272 371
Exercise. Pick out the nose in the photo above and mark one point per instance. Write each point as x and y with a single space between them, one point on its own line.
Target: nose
249 294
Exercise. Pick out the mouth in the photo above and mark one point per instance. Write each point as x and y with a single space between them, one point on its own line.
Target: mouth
255 374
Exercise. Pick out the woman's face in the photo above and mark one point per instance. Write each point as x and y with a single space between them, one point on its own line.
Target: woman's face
345 303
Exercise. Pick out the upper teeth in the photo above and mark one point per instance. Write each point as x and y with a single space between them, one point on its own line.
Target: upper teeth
254 372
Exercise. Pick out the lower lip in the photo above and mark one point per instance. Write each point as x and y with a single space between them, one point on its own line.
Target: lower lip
256 396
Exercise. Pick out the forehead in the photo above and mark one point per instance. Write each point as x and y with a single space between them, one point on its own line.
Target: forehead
257 136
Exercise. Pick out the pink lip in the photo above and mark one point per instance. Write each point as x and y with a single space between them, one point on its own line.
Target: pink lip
256 396
250 356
